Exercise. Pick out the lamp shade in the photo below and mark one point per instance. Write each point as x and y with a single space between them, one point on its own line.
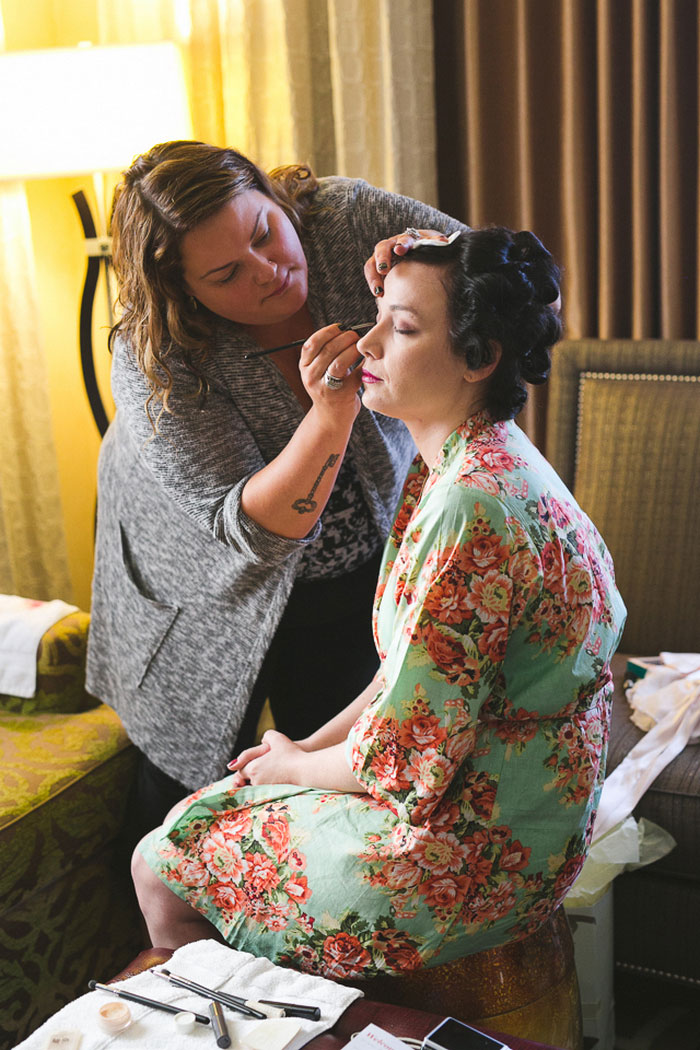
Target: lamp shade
70 111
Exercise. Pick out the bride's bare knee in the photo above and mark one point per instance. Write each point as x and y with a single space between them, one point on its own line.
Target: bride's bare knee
146 882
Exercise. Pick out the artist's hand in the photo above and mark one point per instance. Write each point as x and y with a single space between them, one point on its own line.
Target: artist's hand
332 350
274 761
386 252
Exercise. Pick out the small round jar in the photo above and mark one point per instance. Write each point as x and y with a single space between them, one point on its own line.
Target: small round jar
184 1021
114 1016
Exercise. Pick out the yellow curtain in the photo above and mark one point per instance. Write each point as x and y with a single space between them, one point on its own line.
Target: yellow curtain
344 85
33 557
579 119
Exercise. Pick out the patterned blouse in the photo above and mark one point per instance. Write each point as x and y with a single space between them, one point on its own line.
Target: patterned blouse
482 753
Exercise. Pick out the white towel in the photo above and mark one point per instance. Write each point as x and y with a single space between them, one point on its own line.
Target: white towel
667 699
215 966
22 623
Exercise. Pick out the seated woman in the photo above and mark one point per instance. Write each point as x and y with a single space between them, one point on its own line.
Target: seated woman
449 808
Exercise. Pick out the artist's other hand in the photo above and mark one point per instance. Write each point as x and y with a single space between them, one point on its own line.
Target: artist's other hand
386 252
334 351
274 761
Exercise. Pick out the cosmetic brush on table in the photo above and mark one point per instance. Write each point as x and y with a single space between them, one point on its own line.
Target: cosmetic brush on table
271 1007
132 997
249 1008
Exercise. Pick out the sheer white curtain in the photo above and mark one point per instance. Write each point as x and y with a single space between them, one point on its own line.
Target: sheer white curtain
33 555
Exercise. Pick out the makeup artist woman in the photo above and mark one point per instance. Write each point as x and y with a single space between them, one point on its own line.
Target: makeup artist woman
241 514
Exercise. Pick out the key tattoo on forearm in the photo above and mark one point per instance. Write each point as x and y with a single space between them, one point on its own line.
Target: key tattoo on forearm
306 504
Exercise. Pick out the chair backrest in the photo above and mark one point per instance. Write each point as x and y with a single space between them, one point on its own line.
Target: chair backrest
623 431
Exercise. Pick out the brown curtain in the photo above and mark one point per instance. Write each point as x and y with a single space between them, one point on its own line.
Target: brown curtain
579 119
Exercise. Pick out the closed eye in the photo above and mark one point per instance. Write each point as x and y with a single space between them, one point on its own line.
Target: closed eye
264 236
229 276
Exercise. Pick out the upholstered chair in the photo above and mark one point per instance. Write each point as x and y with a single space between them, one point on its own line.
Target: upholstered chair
623 430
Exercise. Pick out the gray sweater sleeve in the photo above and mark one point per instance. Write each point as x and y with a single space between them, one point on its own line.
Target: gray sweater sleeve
202 456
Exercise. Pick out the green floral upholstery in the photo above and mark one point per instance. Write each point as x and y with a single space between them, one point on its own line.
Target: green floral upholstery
60 671
67 911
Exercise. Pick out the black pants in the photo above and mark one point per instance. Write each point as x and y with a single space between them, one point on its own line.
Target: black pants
321 657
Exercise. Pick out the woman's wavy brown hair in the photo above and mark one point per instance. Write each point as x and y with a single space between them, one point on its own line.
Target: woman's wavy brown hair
166 193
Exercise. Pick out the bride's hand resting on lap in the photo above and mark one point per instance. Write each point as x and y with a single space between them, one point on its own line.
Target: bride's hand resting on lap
273 761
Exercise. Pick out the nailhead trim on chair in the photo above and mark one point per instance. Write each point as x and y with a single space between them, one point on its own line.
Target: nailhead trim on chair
648 971
649 376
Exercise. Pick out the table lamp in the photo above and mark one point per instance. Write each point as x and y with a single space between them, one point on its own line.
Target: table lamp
89 110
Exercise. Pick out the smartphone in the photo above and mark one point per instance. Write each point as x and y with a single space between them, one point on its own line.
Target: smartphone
452 1034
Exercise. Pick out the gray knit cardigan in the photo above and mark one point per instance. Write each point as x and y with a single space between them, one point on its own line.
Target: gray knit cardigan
188 590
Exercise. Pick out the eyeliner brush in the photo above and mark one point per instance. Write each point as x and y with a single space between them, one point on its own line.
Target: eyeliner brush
133 998
300 342
208 993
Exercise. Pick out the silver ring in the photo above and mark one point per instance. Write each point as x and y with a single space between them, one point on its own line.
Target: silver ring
413 232
332 381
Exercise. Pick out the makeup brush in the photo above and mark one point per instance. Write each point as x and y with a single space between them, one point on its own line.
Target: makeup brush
300 342
133 998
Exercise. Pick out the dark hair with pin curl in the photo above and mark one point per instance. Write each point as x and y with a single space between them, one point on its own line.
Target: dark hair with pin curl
501 288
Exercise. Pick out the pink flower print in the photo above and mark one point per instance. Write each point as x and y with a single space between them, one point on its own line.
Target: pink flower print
421 731
297 888
306 958
446 649
438 853
228 899
578 582
550 509
446 892
344 956
399 952
223 857
493 642
490 597
389 767
447 602
481 554
193 872
514 856
276 833
400 874
262 874
480 479
430 772
236 824
276 917
498 460
554 566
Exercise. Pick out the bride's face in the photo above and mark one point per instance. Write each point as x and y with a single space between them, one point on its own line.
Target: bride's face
410 370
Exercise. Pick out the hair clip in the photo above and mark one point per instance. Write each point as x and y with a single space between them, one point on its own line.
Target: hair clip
435 242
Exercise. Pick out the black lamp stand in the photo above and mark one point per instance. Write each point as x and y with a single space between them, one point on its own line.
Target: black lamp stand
98 252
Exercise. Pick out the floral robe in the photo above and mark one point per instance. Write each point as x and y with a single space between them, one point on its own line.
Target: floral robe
482 752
